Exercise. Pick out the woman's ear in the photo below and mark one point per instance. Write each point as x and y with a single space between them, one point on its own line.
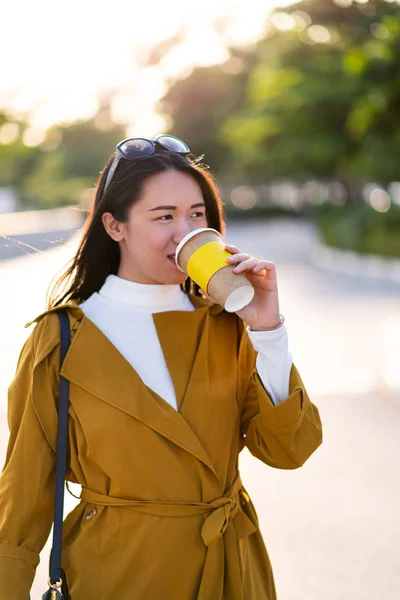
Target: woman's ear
114 228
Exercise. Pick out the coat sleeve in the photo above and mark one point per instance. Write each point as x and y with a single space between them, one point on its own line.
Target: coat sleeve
282 436
27 481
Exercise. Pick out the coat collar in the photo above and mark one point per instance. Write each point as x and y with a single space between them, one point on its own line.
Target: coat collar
94 364
72 306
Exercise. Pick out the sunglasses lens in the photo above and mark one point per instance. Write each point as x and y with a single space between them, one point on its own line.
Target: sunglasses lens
174 144
136 148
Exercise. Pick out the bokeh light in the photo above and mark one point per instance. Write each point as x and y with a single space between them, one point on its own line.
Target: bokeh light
380 200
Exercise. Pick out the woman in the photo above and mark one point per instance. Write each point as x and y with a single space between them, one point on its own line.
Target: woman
166 388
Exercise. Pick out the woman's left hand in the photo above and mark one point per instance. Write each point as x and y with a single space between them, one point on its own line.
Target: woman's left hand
263 311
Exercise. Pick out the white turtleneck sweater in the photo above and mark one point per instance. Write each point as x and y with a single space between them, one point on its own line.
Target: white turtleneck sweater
123 311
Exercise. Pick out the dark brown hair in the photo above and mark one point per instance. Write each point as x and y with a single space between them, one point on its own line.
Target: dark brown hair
98 254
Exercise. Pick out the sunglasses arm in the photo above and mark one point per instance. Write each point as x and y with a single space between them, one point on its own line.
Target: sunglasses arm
111 172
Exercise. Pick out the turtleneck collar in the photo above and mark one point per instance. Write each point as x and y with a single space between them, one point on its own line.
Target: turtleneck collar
147 295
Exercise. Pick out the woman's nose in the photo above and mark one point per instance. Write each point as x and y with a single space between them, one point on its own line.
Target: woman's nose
182 229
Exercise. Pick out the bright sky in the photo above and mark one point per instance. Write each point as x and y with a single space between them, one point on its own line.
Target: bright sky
58 57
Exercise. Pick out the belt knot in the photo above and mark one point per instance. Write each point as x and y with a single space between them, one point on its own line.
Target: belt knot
223 510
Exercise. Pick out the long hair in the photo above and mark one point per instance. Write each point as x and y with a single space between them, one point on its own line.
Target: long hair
98 255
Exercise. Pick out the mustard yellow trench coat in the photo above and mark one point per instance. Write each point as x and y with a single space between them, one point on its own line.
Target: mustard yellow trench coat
163 512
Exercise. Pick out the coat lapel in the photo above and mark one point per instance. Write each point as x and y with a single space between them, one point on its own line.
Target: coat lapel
95 364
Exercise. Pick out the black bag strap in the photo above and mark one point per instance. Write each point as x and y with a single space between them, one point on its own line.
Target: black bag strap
62 440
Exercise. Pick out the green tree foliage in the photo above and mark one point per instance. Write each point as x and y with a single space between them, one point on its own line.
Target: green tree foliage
199 104
360 228
61 174
16 159
69 160
320 99
317 98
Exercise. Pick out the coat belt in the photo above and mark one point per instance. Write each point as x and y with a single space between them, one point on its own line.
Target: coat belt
222 527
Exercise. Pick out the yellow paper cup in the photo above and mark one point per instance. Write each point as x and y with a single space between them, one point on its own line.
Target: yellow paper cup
202 255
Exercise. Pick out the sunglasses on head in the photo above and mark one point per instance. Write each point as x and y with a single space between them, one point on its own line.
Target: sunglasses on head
133 148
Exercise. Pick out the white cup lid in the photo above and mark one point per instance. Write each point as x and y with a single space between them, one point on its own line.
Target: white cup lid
188 237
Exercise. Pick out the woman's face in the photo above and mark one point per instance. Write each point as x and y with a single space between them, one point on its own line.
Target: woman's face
171 206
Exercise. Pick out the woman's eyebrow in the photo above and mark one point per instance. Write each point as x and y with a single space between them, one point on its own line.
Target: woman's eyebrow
166 207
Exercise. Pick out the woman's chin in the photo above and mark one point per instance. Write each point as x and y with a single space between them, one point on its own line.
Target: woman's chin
178 279
174 277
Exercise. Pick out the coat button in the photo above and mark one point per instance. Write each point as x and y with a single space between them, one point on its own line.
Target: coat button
91 513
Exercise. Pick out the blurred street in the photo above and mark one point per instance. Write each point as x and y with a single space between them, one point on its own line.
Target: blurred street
332 528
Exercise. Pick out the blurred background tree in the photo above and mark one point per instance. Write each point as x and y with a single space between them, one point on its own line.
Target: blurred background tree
65 164
319 96
16 159
314 102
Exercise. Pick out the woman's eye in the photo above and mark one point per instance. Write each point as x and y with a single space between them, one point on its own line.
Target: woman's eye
166 217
